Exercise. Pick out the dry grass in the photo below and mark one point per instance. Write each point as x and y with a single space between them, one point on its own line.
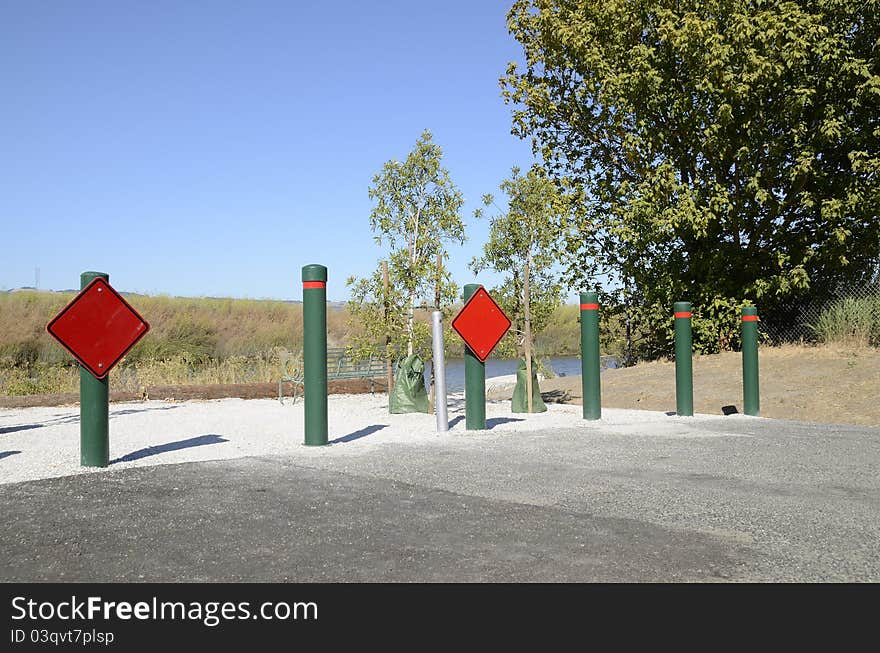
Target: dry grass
192 341
138 375
203 328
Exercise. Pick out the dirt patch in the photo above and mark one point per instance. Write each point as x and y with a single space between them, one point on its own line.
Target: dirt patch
815 384
185 392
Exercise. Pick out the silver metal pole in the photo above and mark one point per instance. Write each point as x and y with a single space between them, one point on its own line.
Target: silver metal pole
439 372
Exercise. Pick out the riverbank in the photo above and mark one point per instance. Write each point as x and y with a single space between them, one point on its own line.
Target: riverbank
816 384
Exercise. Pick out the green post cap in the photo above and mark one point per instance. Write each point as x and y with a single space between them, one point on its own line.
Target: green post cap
469 290
750 310
314 272
681 307
87 277
591 297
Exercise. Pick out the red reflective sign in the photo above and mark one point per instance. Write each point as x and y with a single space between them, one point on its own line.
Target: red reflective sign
98 327
481 323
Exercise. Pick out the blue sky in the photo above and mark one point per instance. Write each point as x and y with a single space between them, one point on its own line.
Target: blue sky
214 148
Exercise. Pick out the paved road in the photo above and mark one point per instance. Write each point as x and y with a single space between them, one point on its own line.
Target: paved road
742 500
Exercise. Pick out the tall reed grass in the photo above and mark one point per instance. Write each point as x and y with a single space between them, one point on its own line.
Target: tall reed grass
139 375
852 321
197 328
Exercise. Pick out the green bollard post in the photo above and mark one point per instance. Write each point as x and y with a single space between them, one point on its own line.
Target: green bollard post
751 397
590 384
314 279
684 373
94 406
474 381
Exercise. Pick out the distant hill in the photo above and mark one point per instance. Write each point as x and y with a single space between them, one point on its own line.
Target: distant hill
71 291
41 290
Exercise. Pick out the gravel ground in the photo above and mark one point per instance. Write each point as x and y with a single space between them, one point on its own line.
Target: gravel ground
44 442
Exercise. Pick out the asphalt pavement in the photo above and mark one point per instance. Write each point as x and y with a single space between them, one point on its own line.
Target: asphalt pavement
736 500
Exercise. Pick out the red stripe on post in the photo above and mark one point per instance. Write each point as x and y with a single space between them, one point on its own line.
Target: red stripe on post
682 315
589 307
750 318
314 284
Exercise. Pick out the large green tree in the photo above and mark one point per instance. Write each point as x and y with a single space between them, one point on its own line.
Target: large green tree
521 246
726 150
417 210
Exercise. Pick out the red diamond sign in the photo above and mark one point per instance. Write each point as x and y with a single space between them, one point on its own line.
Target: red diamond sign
481 323
98 327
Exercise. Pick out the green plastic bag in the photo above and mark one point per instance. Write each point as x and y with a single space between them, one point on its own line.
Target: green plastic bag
519 403
409 394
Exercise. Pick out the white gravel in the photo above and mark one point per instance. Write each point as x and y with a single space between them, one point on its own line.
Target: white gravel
497 382
505 381
40 443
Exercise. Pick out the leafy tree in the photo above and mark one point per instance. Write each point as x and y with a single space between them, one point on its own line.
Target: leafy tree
726 150
521 246
417 210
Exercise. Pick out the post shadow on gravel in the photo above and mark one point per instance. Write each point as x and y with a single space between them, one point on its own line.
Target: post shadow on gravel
492 422
6 454
66 419
362 433
22 427
132 411
198 441
455 420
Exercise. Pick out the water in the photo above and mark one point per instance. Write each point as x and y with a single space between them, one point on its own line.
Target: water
562 366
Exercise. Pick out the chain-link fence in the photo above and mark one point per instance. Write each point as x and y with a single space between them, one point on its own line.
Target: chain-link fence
850 315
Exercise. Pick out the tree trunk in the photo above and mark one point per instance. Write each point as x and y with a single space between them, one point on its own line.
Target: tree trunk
412 264
627 307
527 339
436 308
409 324
389 375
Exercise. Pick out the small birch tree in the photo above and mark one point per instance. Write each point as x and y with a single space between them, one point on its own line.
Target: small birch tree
521 245
417 211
